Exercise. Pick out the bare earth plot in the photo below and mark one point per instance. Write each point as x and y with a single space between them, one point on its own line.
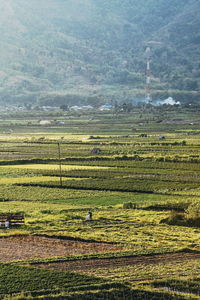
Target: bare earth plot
32 247
89 264
136 268
40 247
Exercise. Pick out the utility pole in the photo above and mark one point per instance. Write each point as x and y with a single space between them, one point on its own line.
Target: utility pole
148 76
60 165
148 52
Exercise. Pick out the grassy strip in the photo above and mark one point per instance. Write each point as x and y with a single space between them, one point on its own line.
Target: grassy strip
110 186
47 284
177 285
14 279
81 288
135 159
111 294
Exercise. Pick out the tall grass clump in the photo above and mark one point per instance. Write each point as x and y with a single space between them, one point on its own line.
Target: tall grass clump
192 213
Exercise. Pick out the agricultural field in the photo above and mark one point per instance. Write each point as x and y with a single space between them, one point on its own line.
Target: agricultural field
138 173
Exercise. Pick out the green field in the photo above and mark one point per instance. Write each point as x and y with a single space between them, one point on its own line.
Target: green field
143 192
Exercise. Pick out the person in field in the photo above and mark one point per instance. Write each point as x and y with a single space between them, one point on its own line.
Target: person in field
89 216
7 224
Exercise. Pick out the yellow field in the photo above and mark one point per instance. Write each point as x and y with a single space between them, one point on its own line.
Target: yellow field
53 167
44 135
36 179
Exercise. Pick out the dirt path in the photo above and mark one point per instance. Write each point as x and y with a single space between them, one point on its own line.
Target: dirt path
89 264
32 247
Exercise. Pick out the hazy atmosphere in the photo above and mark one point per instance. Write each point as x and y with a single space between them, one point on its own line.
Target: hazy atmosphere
88 51
100 150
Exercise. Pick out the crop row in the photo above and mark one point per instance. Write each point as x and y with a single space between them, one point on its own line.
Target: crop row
48 284
184 286
129 163
120 184
185 177
39 194
14 279
117 293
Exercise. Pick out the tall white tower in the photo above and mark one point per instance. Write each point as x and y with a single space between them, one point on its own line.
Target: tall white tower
148 75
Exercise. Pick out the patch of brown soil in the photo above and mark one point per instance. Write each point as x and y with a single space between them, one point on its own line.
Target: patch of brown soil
32 247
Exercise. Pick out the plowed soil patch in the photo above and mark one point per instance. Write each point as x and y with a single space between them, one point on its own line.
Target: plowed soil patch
31 247
85 265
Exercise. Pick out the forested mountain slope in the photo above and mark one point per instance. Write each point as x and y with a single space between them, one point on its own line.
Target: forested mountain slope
94 50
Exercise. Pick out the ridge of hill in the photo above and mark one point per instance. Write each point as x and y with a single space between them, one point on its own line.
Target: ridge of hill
74 51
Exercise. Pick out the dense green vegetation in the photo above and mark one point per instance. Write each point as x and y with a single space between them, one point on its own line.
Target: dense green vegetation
48 284
15 279
45 284
71 52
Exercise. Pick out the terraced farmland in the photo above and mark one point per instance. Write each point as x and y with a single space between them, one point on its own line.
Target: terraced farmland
143 241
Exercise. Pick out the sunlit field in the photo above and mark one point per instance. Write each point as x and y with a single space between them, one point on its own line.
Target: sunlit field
143 192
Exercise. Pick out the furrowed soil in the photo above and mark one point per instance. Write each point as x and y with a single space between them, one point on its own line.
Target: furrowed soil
33 247
15 248
85 265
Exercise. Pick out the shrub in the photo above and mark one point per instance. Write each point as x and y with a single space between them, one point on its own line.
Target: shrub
129 205
193 210
191 217
193 214
175 218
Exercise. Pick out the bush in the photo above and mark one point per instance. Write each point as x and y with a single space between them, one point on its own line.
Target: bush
193 210
192 214
175 218
191 217
129 205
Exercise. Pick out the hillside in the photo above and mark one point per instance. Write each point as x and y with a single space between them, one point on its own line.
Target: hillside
73 51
